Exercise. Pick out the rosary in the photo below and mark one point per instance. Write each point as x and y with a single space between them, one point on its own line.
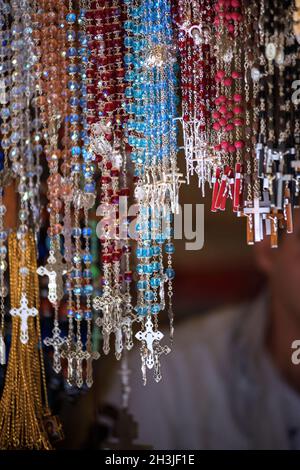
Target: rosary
93 97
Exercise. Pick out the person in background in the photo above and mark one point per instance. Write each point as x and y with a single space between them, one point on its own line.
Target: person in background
229 382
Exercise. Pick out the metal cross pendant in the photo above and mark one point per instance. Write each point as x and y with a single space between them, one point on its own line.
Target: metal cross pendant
149 336
68 354
47 271
61 269
173 182
24 312
75 356
54 269
103 302
124 326
106 304
258 212
56 342
79 356
93 356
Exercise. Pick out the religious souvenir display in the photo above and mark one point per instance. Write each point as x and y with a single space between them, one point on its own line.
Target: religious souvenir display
194 26
151 132
95 100
106 119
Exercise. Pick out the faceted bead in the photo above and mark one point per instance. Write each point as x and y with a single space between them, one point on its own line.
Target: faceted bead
87 258
86 231
88 315
78 315
149 295
76 259
88 289
70 313
170 273
155 309
87 274
77 290
3 265
155 282
71 18
142 311
170 248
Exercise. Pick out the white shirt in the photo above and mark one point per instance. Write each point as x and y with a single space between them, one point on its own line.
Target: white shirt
219 389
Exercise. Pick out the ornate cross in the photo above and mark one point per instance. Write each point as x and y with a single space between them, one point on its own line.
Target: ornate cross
149 336
24 312
109 322
45 271
54 269
123 326
56 342
94 355
77 355
103 302
67 353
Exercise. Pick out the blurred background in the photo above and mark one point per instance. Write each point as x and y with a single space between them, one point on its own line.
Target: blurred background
223 271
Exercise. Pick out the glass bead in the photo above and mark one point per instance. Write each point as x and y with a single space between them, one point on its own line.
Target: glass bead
71 36
155 309
24 271
76 273
86 231
77 290
141 285
88 289
76 232
170 273
3 235
5 113
87 274
71 18
87 258
90 188
3 250
149 295
169 248
156 266
76 259
3 265
78 315
70 313
142 311
155 282
88 315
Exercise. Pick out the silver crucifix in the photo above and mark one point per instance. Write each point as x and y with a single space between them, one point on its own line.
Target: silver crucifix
149 336
93 355
258 212
56 342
